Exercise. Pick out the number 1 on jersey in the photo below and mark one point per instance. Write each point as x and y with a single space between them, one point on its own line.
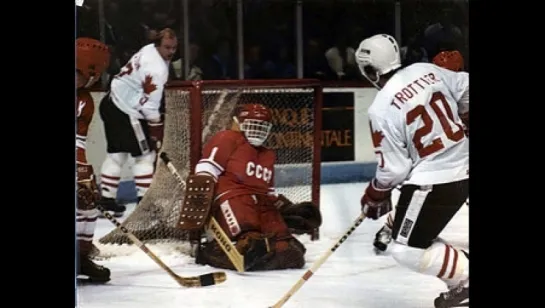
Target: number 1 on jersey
445 120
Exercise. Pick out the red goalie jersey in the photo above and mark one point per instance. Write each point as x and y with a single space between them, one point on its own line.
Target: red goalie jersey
244 169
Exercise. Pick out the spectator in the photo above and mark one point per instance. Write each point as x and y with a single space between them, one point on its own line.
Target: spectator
255 67
222 64
315 64
341 59
413 52
196 71
282 66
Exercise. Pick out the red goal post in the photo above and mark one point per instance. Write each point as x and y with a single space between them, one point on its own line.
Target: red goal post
194 111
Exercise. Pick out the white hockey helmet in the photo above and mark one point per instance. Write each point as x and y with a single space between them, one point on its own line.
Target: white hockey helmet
378 55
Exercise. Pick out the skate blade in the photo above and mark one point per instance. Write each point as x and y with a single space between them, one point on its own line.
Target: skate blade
86 280
379 252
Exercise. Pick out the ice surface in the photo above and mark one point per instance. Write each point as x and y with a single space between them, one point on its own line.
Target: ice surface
352 277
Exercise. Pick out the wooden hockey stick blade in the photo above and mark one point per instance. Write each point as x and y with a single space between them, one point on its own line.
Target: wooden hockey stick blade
189 282
223 240
317 264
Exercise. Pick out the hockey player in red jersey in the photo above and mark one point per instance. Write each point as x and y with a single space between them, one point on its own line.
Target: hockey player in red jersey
453 61
92 58
245 203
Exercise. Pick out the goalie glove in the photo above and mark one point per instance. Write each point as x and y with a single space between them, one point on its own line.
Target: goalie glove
300 217
376 202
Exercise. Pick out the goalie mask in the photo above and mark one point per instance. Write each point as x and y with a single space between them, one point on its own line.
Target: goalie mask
255 121
92 59
451 60
377 56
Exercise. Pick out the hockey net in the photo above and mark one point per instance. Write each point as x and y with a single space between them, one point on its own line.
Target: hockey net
194 111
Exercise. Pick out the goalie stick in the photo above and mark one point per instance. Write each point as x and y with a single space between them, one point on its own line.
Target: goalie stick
223 240
317 264
189 282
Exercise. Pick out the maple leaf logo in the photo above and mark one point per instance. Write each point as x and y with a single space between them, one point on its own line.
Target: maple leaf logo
376 136
148 85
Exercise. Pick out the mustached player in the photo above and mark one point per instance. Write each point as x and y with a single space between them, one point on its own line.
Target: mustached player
132 118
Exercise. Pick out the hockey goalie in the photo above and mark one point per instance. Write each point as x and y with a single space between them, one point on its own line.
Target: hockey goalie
259 222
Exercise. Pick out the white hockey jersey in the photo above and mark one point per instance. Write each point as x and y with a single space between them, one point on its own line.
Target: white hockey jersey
416 131
138 88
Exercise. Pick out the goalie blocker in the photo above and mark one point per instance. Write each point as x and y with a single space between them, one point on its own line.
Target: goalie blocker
199 194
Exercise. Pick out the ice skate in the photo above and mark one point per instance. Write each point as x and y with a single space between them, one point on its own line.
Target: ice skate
110 205
382 239
458 296
90 272
95 252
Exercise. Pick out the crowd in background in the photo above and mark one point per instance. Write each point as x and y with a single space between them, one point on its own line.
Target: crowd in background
332 31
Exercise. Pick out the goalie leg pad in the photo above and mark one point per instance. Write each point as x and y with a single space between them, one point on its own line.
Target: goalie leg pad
285 254
199 194
211 254
262 252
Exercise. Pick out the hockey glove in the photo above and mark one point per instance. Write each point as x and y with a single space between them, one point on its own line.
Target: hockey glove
156 135
302 217
87 185
376 202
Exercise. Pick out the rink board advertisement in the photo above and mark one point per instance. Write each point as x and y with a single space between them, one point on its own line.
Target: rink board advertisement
347 152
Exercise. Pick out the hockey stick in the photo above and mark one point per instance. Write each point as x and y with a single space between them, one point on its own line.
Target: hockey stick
317 264
223 240
190 282
217 107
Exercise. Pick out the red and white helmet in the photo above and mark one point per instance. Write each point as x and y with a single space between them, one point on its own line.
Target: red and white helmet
255 121
92 59
451 60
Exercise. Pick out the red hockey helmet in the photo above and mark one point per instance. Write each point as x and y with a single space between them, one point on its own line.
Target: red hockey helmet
451 60
255 121
92 58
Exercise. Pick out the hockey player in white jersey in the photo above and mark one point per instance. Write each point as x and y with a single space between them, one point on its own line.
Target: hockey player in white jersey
454 61
133 123
420 144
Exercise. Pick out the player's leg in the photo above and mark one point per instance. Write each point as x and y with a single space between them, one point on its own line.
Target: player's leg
384 235
421 215
260 235
116 129
239 219
86 216
286 251
144 164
